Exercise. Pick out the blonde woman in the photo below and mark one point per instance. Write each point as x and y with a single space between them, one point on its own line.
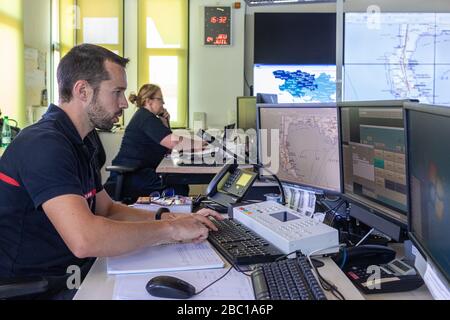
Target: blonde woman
147 139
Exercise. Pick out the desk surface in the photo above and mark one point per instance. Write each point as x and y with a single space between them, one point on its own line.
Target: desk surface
98 285
169 165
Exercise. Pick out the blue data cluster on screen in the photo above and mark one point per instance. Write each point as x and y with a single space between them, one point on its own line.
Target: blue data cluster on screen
296 83
397 56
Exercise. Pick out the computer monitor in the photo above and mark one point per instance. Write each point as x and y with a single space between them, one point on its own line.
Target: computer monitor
301 142
400 66
246 113
427 132
296 83
373 163
266 98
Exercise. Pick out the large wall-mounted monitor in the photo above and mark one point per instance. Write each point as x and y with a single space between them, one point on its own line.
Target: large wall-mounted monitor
305 150
373 162
427 129
295 38
296 83
397 56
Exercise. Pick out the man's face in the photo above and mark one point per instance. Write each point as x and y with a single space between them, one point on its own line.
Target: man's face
109 101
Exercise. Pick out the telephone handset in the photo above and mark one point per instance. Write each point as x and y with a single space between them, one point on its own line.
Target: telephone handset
160 116
366 255
230 185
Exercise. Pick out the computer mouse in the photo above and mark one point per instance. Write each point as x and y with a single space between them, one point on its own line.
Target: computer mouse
170 287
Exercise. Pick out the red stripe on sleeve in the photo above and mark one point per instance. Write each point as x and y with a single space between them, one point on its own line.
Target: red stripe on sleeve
9 180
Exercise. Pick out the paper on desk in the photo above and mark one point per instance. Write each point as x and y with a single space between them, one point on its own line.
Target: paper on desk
235 285
437 286
171 257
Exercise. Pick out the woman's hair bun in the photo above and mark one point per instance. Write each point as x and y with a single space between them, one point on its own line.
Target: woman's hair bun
133 98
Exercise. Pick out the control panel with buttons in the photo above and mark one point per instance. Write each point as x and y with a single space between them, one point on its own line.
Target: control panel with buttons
287 229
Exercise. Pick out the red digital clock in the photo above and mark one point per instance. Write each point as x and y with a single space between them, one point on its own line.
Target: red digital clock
222 19
217 26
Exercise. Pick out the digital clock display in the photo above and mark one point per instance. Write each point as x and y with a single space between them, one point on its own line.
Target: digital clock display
217 26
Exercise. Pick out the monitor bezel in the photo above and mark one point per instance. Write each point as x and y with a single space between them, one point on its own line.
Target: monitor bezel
324 105
433 110
381 211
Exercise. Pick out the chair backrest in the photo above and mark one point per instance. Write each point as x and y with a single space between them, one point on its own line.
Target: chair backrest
111 143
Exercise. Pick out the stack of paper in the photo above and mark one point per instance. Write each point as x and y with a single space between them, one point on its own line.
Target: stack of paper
171 257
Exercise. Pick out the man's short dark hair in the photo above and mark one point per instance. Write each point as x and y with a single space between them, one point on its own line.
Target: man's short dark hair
85 62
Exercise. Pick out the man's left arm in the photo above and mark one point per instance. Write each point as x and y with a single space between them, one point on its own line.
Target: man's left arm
110 209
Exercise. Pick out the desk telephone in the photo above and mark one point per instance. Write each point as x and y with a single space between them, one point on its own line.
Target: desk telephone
230 185
394 274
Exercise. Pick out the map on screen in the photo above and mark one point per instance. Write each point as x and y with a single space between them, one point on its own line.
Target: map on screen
397 56
296 83
308 148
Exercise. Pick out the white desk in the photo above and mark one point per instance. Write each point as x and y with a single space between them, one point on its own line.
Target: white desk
98 285
169 165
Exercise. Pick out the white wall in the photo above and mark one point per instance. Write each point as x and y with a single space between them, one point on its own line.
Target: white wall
37 27
36 17
216 74
131 52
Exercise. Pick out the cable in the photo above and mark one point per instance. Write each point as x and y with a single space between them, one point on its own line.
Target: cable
220 278
285 256
344 258
280 185
365 237
326 285
223 276
335 208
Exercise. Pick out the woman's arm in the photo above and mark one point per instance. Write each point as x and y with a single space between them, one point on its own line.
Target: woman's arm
172 141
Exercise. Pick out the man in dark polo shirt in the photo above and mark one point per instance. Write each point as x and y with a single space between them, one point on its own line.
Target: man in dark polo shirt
54 213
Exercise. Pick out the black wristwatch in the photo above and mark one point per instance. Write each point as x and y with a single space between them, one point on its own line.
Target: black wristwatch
159 212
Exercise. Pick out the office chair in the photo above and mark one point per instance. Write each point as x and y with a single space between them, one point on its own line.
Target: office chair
22 287
114 189
38 287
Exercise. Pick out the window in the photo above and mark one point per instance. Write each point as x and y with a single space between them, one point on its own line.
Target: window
163 52
101 23
12 84
98 22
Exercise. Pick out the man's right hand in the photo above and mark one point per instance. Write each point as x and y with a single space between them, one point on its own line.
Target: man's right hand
191 228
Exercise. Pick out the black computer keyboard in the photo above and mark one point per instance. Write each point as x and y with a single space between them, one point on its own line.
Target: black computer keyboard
289 279
240 245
